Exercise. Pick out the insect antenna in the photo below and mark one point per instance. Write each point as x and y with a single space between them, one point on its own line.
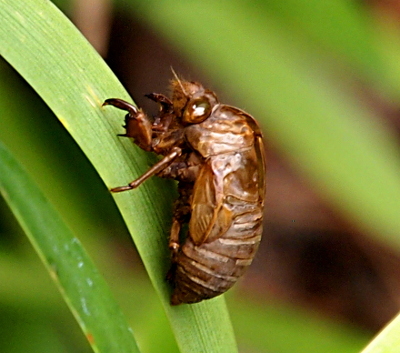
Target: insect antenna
179 81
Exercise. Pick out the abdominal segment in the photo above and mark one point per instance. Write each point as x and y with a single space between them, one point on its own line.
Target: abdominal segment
207 270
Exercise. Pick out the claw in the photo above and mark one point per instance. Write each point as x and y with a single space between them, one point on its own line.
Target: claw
159 98
121 104
165 103
137 125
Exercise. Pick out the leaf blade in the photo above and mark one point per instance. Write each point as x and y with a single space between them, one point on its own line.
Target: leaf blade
74 89
80 283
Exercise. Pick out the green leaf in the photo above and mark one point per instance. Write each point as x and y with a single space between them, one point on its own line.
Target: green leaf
388 340
83 288
54 58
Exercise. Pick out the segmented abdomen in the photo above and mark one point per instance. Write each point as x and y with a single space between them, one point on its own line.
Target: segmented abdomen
210 269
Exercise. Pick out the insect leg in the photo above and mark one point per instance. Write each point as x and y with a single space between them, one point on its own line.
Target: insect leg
165 162
181 216
137 124
165 102
174 248
174 237
165 117
121 104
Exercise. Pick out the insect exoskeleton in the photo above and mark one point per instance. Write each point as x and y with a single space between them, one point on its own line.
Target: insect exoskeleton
216 153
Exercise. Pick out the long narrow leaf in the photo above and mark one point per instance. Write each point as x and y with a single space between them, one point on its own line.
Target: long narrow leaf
73 80
83 288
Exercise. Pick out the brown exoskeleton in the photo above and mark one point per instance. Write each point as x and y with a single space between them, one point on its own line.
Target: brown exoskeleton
216 153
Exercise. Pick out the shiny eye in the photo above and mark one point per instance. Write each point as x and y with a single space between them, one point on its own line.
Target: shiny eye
197 111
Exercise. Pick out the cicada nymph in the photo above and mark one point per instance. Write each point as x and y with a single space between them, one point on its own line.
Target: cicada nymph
216 153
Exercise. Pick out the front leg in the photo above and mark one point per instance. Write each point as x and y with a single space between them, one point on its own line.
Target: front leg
165 117
137 124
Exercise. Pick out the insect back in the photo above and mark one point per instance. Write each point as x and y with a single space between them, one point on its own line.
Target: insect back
216 153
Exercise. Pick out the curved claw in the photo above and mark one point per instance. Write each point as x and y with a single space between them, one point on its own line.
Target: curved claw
137 125
159 98
121 104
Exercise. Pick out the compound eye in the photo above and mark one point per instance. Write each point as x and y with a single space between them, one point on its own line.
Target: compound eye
197 111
